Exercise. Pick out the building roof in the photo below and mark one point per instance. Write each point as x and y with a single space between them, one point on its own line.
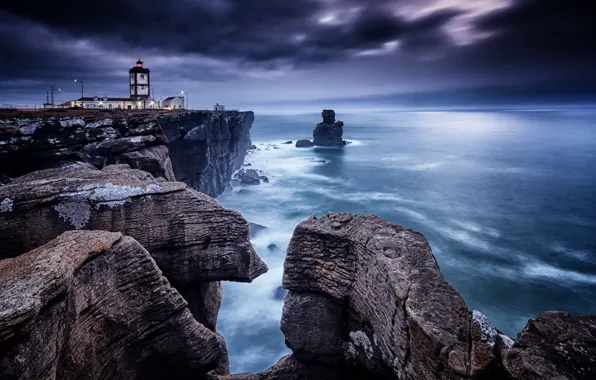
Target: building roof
101 98
174 97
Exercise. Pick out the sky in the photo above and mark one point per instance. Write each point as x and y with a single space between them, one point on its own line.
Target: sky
253 53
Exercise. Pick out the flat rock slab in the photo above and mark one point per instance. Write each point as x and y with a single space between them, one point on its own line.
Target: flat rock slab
191 237
93 305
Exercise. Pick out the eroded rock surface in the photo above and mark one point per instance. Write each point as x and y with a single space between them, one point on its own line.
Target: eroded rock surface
555 345
29 144
94 305
191 237
189 234
329 132
381 300
207 147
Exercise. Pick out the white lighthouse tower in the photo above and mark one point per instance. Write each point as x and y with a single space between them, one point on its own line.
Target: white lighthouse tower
139 82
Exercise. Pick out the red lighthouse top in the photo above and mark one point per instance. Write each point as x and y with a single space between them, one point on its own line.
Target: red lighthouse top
139 63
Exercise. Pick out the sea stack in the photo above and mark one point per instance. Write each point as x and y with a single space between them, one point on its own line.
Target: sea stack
329 132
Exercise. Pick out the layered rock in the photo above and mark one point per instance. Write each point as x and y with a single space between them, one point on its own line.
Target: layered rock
93 305
555 345
206 148
28 144
329 132
191 237
382 302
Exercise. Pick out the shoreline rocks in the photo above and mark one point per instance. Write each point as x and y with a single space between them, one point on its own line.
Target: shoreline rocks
304 144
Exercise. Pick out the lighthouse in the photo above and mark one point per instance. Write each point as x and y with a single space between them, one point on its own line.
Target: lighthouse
139 82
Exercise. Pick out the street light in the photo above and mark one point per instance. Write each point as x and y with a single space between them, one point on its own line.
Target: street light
81 82
185 93
52 89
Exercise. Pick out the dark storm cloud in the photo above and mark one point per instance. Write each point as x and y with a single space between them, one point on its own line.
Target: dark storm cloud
256 30
410 43
545 28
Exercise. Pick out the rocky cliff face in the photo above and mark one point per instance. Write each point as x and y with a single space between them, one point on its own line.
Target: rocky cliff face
329 132
28 144
93 305
206 147
191 237
200 148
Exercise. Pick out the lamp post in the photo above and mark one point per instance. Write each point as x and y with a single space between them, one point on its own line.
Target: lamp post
186 96
81 82
52 89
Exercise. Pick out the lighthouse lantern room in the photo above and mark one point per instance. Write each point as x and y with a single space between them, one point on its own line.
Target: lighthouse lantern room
139 82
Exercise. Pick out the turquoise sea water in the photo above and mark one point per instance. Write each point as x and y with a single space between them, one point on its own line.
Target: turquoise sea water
506 199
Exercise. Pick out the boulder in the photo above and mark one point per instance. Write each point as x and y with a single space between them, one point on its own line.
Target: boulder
256 229
273 247
304 144
329 132
555 345
288 142
191 237
381 302
93 305
248 177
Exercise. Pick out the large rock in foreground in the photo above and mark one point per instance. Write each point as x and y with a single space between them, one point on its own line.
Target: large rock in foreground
380 302
329 132
93 305
192 238
29 144
207 147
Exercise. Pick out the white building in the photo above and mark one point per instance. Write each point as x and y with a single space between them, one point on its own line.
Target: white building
219 107
111 103
173 102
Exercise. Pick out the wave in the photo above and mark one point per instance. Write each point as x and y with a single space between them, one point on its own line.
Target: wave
424 166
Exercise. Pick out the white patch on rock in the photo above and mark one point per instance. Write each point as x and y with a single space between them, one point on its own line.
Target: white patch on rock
30 128
487 329
360 340
3 142
375 340
100 123
506 340
111 194
76 213
136 139
6 205
53 141
72 122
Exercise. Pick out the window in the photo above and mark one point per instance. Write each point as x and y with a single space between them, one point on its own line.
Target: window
142 87
142 76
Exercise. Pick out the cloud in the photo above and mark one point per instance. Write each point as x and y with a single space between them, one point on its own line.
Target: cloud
270 46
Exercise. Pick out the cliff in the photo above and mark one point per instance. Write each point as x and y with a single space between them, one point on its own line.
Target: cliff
94 305
200 148
207 147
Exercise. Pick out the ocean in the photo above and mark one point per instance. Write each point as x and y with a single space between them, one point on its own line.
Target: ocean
507 200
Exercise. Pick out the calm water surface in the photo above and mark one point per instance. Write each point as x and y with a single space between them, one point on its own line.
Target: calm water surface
507 201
